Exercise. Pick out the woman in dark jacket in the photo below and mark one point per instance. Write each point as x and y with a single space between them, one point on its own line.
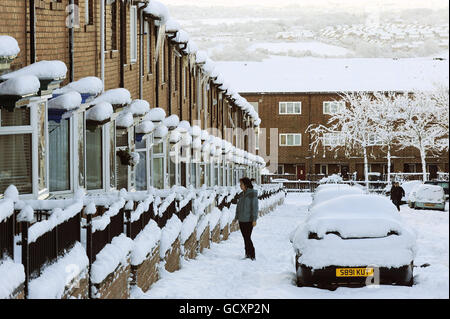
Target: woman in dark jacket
247 214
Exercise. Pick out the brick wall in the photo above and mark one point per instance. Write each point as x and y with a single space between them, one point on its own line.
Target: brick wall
190 247
78 288
204 241
215 234
146 274
172 258
115 285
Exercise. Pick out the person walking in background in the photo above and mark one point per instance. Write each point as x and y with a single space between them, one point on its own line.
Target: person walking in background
397 193
247 214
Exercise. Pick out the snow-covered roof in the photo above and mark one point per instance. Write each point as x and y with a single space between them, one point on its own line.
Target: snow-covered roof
171 121
181 37
125 120
139 107
119 96
145 127
67 101
44 70
156 115
172 26
201 56
158 10
161 131
100 112
8 46
287 74
21 85
87 85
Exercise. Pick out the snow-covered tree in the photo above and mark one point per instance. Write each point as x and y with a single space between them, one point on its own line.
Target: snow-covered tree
351 127
440 96
385 116
420 127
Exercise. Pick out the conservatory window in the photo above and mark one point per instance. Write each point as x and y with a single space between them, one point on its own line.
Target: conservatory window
16 162
158 165
94 158
141 171
59 151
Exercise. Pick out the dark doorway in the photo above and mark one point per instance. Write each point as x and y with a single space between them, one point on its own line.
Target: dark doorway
301 172
433 169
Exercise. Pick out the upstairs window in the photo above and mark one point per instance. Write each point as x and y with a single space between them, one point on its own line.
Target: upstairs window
133 34
291 139
290 108
332 107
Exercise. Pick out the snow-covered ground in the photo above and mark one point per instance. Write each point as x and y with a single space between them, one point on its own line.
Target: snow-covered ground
220 272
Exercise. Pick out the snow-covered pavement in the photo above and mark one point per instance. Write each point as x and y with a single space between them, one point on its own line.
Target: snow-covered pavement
220 272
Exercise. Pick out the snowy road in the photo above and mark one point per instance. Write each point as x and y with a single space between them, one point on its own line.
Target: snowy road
220 271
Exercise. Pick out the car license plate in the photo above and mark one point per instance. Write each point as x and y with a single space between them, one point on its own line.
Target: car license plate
354 272
428 205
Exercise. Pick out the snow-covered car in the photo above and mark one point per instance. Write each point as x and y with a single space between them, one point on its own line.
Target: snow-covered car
411 197
408 187
428 197
334 192
328 186
352 239
443 184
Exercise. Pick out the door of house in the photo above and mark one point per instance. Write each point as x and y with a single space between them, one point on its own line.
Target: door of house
344 171
433 169
301 172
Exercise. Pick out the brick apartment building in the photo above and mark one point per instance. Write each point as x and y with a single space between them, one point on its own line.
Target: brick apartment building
290 94
299 160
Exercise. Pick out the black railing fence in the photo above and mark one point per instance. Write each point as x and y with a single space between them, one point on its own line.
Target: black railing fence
135 227
63 228
183 212
7 232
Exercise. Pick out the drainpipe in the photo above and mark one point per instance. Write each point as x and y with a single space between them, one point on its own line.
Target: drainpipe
169 89
32 32
102 42
122 44
71 45
141 51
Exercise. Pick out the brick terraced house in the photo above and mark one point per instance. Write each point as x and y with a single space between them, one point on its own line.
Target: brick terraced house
148 59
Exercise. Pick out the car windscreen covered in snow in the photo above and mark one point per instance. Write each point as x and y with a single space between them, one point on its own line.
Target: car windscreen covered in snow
333 192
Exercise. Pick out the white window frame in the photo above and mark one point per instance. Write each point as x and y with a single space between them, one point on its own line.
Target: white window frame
133 34
163 156
31 129
327 107
294 135
285 105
